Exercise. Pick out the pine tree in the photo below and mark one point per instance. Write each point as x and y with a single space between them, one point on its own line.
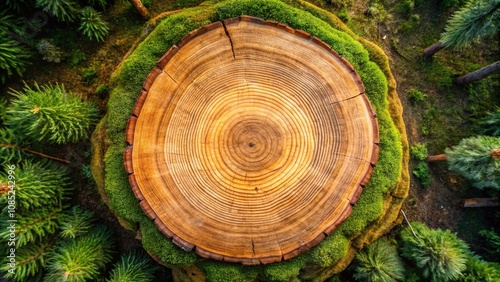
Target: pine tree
63 10
80 259
478 19
379 262
135 267
493 242
50 114
478 159
38 185
10 147
480 270
14 57
440 255
92 25
33 247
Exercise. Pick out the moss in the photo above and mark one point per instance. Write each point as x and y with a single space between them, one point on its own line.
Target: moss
423 174
330 251
419 152
155 242
120 102
376 85
220 272
378 82
284 271
118 190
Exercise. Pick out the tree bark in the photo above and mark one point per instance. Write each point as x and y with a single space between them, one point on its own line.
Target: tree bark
479 74
433 49
140 8
437 158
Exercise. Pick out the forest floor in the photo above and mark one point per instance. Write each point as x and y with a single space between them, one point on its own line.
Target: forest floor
441 120
448 111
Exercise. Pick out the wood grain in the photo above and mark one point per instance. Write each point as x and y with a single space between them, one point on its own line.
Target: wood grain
250 141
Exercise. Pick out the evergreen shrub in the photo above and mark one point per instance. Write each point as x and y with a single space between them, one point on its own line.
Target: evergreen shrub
440 255
63 10
379 262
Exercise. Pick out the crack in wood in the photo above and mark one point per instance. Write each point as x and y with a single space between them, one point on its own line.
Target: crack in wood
230 40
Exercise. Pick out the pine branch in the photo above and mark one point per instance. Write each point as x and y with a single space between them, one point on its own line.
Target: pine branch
39 185
490 124
30 261
135 267
76 222
32 227
473 159
476 20
80 259
50 114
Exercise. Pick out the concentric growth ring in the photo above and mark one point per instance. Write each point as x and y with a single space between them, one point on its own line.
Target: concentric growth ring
250 141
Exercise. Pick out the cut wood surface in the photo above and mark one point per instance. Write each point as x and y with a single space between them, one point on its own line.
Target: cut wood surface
250 142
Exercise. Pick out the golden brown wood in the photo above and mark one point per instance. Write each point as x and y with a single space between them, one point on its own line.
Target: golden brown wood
437 158
140 8
252 142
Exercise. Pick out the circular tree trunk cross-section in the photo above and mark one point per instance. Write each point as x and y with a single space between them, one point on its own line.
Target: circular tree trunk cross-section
250 141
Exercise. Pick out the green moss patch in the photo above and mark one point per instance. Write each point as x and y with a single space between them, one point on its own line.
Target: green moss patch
371 65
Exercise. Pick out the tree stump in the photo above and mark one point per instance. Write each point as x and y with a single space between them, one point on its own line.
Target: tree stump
250 142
